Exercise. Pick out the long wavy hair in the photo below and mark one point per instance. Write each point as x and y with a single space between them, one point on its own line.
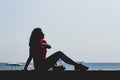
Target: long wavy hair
35 37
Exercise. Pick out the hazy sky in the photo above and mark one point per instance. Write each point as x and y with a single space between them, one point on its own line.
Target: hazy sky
85 30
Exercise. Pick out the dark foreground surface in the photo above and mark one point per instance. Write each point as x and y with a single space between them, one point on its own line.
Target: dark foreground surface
59 75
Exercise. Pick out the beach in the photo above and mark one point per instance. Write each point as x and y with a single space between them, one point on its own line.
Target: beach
59 75
96 71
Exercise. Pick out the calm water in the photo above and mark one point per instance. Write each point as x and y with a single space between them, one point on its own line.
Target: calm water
92 66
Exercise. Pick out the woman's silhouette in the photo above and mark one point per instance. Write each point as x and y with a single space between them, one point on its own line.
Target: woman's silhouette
37 52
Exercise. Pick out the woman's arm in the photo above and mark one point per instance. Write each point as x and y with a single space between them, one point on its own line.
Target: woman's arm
46 45
28 62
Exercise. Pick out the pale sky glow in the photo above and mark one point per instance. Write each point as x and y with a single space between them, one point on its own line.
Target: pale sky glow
85 30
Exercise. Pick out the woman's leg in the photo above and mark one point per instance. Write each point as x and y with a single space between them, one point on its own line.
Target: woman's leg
51 60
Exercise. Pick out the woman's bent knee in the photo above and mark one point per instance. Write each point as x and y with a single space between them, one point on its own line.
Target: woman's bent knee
59 53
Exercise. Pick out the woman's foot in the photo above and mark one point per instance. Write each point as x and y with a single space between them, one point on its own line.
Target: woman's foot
80 67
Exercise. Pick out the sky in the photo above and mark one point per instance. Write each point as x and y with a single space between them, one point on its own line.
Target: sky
85 30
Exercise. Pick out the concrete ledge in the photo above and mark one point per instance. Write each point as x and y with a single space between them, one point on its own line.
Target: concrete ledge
58 75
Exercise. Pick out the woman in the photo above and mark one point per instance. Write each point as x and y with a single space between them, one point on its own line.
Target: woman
37 52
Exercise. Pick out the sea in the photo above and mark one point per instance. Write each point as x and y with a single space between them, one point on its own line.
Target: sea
91 65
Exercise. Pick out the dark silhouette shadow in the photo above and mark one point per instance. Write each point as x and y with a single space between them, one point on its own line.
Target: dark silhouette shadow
38 49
